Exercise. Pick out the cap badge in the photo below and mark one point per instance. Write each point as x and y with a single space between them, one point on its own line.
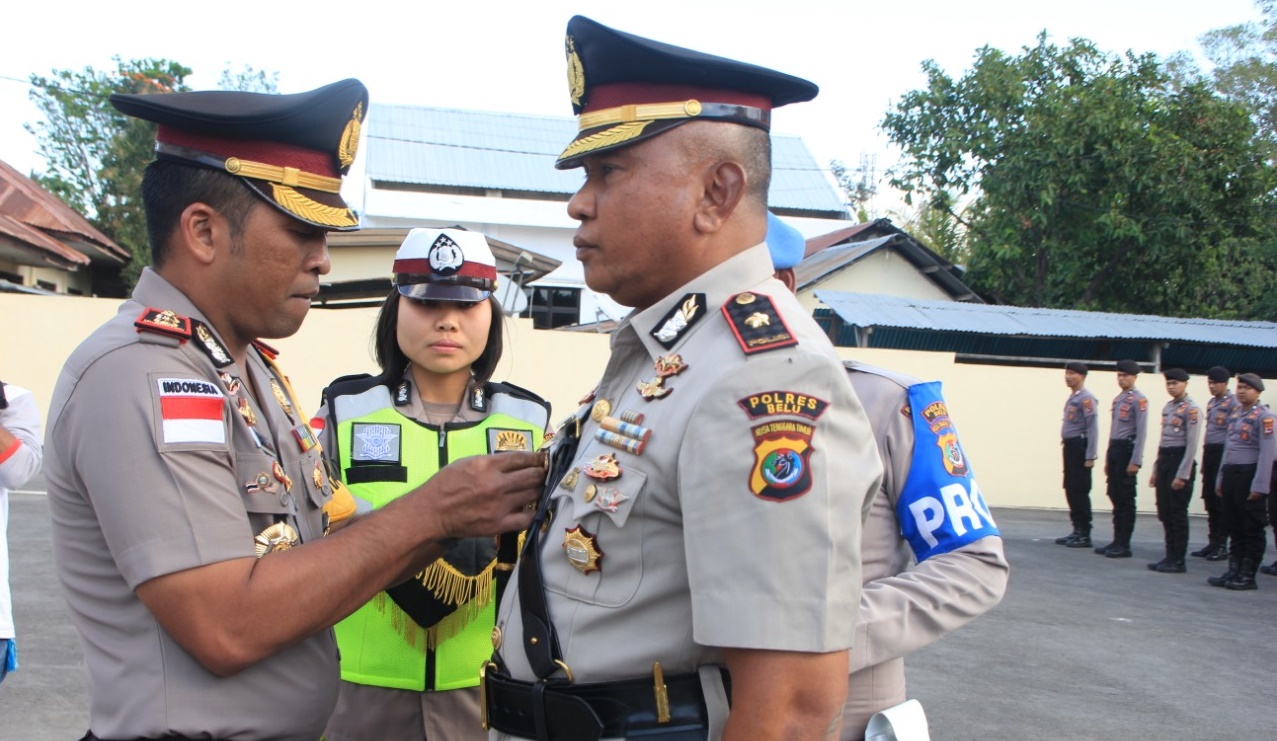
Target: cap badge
349 144
445 256
576 74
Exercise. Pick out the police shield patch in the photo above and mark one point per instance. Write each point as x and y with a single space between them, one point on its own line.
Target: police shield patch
782 460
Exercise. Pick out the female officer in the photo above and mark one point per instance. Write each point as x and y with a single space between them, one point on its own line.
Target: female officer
410 656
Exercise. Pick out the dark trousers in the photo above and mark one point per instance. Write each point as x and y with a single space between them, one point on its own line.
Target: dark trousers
1211 455
1077 484
1121 490
1172 503
1244 517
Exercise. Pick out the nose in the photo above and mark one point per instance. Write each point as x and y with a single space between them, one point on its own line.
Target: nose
447 319
581 204
319 261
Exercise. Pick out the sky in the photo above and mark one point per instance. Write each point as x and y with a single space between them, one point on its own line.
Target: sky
507 56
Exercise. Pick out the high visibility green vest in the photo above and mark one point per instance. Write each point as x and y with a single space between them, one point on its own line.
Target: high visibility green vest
383 455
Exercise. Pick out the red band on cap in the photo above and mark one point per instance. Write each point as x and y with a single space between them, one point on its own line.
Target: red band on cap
271 153
421 266
615 94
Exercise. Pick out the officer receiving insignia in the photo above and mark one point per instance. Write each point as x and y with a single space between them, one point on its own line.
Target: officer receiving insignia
709 527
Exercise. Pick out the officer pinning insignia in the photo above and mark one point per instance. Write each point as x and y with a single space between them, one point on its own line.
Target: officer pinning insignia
582 549
609 500
246 411
232 383
211 346
403 394
503 440
680 319
256 137
165 322
278 537
756 323
603 467
786 402
569 481
601 409
782 460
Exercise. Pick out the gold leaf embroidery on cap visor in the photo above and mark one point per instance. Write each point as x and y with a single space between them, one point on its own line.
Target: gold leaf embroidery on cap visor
610 137
312 211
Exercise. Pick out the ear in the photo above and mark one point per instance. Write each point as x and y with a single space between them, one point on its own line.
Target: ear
724 187
200 229
786 276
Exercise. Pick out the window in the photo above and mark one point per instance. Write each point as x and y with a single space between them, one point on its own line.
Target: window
551 307
11 277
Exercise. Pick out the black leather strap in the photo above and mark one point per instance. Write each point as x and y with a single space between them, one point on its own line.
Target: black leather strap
540 642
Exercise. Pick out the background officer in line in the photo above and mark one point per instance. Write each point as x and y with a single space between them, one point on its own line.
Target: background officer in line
1219 412
914 594
712 488
1124 457
1079 436
20 456
1175 470
185 486
1244 481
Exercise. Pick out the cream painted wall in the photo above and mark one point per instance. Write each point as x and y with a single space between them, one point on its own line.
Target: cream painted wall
880 272
1008 417
62 279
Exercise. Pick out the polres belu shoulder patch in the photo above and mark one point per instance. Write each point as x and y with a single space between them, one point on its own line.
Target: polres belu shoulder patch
756 323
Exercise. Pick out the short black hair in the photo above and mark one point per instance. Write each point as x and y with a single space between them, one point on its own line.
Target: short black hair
169 187
393 361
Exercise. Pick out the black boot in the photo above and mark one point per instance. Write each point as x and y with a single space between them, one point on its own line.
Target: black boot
1245 579
1104 548
1067 539
1219 554
1157 565
1171 566
1234 565
1205 551
1118 550
1270 570
1083 540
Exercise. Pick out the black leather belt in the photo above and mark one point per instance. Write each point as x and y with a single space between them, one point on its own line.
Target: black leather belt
1172 449
588 712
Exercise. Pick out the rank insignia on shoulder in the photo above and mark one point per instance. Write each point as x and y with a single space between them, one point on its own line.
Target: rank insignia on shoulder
165 322
756 323
211 346
673 325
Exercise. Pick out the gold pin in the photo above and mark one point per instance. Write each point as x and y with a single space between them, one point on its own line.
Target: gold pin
569 481
590 491
582 549
246 411
496 637
278 392
601 409
745 298
278 537
661 692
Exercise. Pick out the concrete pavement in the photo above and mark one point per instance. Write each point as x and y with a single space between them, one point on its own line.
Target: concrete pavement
1082 647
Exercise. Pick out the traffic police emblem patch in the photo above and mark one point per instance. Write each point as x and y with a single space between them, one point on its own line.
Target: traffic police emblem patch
782 460
375 442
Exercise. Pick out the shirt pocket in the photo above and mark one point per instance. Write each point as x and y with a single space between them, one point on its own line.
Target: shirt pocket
312 476
593 548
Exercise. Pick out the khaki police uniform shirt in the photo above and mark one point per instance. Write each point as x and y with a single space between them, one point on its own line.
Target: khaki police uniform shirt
691 557
1251 439
1130 418
905 605
1081 419
153 469
1181 428
1219 413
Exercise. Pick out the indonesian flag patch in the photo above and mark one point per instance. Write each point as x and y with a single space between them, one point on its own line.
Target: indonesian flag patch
191 410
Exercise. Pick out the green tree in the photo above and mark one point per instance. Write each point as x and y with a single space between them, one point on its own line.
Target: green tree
1093 181
94 154
858 186
1244 59
937 227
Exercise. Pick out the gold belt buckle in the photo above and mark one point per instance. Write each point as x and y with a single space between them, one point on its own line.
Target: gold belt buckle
483 693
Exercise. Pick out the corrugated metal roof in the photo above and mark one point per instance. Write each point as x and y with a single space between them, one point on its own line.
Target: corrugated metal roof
874 310
417 145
